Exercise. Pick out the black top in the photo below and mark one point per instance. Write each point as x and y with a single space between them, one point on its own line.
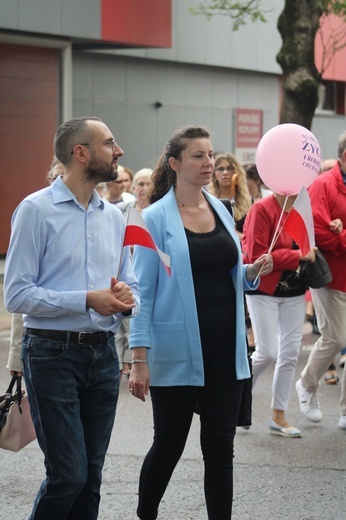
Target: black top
212 256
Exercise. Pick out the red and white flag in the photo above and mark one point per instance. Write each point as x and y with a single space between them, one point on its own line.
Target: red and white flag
137 233
300 223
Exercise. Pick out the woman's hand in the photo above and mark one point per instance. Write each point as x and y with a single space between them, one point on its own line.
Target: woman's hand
336 226
19 373
139 376
263 265
311 256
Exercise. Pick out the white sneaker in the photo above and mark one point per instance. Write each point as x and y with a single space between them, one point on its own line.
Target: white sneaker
342 422
308 402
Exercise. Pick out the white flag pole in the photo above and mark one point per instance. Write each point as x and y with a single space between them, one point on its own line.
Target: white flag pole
122 249
276 235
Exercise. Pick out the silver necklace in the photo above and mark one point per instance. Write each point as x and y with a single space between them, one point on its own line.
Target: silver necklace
183 205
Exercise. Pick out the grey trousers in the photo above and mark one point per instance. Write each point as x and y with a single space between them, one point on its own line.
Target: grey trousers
330 308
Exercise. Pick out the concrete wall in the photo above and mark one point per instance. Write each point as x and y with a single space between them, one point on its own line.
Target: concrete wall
73 18
327 130
200 41
122 22
123 91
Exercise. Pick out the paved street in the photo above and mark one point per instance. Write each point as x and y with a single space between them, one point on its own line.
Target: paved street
275 478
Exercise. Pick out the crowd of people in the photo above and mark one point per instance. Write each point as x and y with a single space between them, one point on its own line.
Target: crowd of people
87 311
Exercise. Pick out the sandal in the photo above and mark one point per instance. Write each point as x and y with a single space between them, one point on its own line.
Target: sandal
331 377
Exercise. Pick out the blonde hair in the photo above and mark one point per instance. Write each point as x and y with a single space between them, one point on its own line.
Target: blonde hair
144 172
243 197
327 165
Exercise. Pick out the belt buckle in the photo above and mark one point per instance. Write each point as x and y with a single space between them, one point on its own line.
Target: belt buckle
82 335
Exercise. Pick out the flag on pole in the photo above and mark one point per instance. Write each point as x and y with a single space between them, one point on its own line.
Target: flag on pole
137 233
300 223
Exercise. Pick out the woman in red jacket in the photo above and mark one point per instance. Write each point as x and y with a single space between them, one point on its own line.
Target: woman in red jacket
277 307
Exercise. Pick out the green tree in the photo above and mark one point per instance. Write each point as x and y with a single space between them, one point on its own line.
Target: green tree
298 25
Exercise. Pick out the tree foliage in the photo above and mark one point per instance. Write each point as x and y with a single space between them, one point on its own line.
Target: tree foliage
241 12
298 25
238 12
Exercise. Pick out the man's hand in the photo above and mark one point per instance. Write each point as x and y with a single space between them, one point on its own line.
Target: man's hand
118 298
122 291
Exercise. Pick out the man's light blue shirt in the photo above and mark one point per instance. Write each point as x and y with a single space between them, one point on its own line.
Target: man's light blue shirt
58 251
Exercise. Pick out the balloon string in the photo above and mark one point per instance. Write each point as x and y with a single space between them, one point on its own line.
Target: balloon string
275 237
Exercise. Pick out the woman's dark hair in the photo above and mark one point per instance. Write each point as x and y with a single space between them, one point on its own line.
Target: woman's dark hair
252 172
164 177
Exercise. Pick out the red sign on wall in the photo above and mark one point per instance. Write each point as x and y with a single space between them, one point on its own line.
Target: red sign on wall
248 127
138 23
248 133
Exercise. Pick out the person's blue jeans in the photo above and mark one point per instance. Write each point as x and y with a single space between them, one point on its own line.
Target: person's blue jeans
73 391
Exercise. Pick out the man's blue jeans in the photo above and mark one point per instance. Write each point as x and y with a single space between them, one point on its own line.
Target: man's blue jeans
73 391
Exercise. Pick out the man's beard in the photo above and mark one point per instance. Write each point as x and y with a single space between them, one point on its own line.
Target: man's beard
100 171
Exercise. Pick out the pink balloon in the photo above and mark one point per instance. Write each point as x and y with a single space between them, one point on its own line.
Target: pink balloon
288 157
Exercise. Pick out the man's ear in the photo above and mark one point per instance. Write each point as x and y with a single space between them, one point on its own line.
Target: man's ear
79 153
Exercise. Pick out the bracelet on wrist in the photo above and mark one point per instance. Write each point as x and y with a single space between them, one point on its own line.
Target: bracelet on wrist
138 361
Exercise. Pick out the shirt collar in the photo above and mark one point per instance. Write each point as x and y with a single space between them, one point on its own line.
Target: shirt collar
61 193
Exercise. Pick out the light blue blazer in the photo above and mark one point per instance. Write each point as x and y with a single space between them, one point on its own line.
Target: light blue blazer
168 322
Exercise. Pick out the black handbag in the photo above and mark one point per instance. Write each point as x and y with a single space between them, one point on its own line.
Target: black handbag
317 273
245 408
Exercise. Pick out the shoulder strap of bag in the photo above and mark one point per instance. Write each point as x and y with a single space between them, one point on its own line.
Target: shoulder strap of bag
13 380
228 205
16 378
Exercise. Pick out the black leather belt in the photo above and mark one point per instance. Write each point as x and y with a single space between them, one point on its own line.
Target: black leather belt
82 338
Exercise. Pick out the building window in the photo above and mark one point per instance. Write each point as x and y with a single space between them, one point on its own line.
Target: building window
326 96
332 97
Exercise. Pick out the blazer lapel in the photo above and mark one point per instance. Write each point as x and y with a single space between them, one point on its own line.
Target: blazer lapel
176 239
